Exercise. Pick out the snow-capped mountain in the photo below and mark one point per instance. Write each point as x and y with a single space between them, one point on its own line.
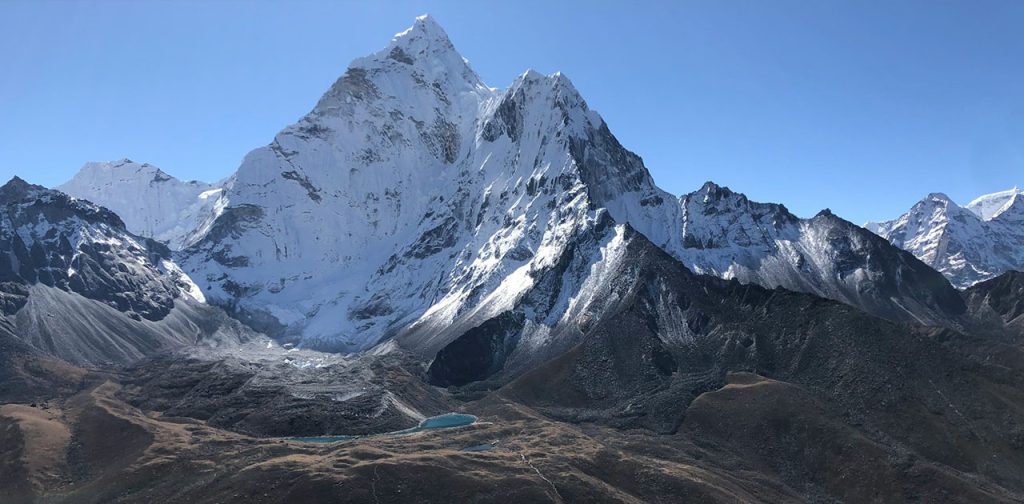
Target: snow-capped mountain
150 202
75 284
725 234
991 205
967 244
415 196
410 188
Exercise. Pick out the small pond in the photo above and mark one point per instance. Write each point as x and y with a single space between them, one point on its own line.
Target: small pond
445 421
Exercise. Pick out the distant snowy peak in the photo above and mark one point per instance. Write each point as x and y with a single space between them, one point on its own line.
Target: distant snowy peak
150 202
725 234
967 244
991 205
1012 212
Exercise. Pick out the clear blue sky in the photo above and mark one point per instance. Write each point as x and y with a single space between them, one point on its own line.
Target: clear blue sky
863 107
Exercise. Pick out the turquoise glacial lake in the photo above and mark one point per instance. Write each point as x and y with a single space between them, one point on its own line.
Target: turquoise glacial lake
446 421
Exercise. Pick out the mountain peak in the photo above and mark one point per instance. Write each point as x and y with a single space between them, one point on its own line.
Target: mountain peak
714 192
938 204
935 202
122 169
1012 209
150 202
16 182
424 27
531 75
19 193
710 186
419 57
16 189
968 243
424 36
990 205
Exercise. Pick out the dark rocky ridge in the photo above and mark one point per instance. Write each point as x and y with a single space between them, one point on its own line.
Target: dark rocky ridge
123 275
744 394
1004 294
913 393
997 305
76 285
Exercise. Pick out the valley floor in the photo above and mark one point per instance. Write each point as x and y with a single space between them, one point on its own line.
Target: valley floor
753 440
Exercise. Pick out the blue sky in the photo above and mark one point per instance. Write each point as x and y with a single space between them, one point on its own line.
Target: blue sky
863 107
